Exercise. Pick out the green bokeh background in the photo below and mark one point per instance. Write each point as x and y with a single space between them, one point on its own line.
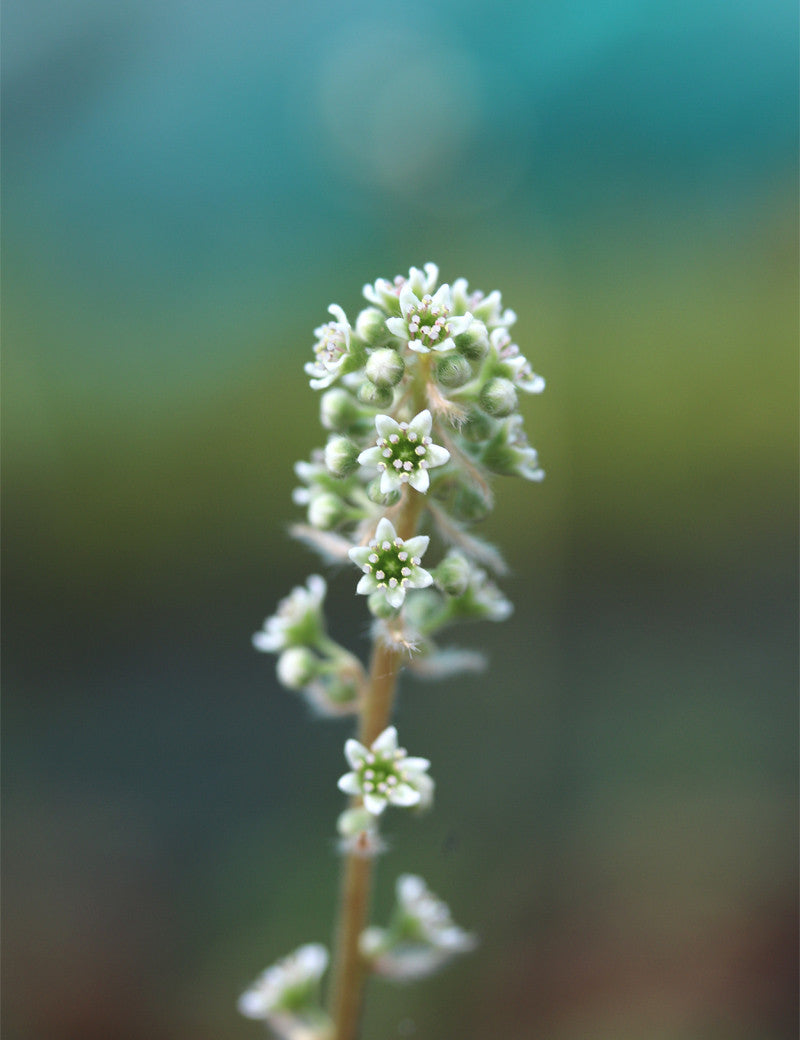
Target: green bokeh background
186 188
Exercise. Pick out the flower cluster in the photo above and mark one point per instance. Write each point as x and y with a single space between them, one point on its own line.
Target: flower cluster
383 774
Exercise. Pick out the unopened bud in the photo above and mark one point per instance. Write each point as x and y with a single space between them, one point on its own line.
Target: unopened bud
498 397
452 574
338 410
376 396
453 371
473 343
385 367
341 456
371 327
297 667
325 511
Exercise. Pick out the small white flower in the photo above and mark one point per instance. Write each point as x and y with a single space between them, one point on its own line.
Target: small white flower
487 309
331 349
404 453
516 365
297 621
421 938
290 986
385 294
426 323
391 563
383 774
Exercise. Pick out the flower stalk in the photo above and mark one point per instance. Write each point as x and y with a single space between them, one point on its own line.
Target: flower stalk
420 401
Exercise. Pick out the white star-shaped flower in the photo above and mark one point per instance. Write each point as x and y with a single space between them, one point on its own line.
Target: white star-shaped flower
297 621
427 323
383 774
330 350
391 563
288 986
404 452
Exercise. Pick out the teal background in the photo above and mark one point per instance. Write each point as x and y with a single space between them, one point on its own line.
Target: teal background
186 187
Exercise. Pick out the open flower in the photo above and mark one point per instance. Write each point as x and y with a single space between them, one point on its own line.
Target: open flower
391 564
287 993
404 452
427 323
513 364
297 621
331 350
421 938
383 774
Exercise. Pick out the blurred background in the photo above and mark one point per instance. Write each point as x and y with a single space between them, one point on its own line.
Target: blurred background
186 187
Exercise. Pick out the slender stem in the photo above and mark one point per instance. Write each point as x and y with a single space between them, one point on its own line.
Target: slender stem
349 973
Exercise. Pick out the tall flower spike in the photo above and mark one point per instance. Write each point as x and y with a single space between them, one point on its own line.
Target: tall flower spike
391 564
427 324
404 452
383 774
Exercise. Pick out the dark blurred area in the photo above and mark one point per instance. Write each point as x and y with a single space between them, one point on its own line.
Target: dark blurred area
185 190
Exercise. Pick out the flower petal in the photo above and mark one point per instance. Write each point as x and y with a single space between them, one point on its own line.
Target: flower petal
420 480
349 784
370 457
355 752
397 327
366 585
385 531
421 424
386 742
374 804
416 546
386 425
436 455
403 794
396 597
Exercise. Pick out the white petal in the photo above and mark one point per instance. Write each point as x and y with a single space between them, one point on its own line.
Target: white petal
436 455
416 765
403 794
349 784
385 531
386 425
408 299
416 546
419 578
420 480
267 642
370 457
366 585
354 752
397 327
396 597
421 423
252 1004
374 804
386 742
390 481
360 554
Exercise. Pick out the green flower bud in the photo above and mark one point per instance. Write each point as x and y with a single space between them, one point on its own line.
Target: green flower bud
478 427
341 456
453 371
474 342
339 411
385 367
498 397
375 396
470 504
452 575
297 667
326 511
374 493
371 327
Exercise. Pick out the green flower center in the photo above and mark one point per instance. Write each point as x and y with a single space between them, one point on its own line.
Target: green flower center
428 322
404 451
390 563
379 774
